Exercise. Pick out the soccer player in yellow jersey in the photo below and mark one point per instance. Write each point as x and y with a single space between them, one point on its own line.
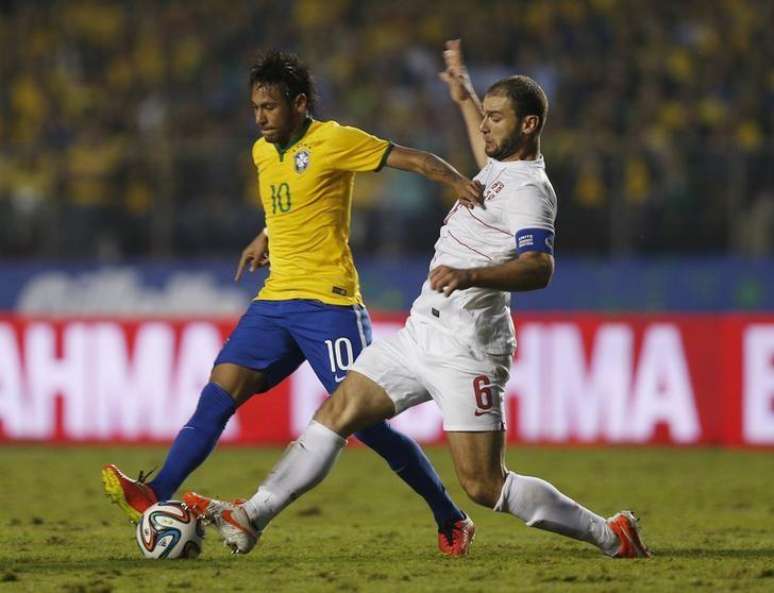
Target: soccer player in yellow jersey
310 307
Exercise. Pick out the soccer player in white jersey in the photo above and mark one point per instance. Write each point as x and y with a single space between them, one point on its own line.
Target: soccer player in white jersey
457 345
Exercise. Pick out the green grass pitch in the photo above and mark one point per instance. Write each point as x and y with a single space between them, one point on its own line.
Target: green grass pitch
708 516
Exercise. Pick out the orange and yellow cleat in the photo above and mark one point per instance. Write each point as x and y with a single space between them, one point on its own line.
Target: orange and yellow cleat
133 496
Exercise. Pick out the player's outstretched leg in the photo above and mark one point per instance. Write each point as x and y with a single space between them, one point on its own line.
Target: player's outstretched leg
309 458
409 462
191 447
304 464
478 459
539 504
195 441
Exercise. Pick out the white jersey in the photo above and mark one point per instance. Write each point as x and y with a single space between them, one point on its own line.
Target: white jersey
517 196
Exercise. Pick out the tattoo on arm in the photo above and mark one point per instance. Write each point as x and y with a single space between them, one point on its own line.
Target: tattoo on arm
437 169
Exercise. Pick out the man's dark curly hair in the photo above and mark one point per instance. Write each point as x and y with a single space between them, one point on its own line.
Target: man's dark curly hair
526 97
288 73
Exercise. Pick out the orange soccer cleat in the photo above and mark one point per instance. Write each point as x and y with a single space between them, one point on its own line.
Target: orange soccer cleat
133 496
626 527
455 538
229 518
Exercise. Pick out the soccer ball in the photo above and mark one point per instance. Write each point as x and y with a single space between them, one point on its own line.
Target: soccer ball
169 530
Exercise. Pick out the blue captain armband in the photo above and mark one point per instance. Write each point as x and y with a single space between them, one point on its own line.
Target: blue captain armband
541 240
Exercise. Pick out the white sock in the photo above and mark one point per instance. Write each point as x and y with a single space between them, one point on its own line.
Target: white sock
541 505
304 464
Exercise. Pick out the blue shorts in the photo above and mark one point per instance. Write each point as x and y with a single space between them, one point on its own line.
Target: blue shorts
275 337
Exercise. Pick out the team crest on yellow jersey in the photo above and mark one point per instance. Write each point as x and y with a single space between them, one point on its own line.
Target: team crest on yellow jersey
301 160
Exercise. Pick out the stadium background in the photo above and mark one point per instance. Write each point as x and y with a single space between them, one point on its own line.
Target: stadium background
127 192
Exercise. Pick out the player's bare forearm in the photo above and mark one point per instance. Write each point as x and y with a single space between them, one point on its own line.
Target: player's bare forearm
425 163
530 271
473 114
436 169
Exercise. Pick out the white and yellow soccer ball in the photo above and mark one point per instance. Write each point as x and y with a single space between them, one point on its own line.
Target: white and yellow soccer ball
169 530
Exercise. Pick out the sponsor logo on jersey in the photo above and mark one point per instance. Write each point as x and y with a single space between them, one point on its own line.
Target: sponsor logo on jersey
526 241
301 160
339 291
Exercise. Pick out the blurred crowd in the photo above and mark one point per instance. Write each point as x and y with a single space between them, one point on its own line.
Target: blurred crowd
126 128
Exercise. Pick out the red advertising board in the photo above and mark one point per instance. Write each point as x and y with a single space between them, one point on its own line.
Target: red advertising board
576 378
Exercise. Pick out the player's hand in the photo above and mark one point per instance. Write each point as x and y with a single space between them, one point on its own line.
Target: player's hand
469 193
446 280
456 74
254 256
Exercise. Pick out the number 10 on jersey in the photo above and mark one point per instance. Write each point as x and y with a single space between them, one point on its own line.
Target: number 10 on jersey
280 198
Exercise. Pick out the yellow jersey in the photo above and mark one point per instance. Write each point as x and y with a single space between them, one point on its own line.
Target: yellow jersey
306 192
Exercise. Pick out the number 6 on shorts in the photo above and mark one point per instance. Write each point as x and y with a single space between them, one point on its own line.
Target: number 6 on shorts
483 391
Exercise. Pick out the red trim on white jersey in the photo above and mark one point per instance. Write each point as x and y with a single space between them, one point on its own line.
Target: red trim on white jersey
494 228
468 246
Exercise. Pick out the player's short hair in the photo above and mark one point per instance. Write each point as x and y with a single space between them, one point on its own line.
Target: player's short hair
287 72
526 95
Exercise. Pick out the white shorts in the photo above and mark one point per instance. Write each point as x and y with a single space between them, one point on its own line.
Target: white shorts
420 363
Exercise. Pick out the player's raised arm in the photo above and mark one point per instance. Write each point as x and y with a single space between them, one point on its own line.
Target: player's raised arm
464 95
436 169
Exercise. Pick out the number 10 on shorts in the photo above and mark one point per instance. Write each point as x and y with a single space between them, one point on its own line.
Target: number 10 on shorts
340 354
